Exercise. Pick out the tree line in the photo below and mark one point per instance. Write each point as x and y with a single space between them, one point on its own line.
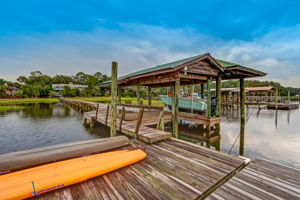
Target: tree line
38 84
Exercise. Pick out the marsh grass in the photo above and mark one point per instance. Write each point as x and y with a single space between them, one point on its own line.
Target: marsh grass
29 100
9 108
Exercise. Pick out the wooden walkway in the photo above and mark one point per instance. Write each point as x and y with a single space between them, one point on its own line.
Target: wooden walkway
262 179
129 124
282 106
173 169
134 125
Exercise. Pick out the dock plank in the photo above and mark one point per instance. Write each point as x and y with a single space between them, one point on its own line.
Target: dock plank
262 179
168 172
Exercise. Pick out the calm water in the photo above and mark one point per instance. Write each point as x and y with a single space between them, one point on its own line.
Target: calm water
266 136
41 125
46 124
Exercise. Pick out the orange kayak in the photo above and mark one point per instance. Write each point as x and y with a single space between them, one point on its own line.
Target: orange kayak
37 180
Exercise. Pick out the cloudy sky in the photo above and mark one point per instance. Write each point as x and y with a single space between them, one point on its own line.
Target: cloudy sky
68 36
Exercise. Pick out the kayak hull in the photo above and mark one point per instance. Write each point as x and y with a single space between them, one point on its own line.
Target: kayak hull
37 180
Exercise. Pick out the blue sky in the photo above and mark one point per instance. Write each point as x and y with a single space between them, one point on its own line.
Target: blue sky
67 36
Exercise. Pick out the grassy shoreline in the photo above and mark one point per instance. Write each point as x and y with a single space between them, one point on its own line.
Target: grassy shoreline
9 108
28 100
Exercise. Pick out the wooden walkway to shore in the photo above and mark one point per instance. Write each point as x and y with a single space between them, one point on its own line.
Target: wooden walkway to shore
129 126
173 169
135 123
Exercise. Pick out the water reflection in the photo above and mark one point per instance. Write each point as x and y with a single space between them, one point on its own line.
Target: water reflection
269 134
42 124
45 110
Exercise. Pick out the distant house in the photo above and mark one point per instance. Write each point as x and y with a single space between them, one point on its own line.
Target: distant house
11 91
60 87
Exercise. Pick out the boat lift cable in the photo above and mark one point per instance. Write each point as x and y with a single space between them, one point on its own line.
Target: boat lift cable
239 134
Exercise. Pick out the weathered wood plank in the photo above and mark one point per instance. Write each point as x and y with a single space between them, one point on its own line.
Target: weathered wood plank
262 179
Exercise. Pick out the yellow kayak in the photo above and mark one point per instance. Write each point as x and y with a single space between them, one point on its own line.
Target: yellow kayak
37 180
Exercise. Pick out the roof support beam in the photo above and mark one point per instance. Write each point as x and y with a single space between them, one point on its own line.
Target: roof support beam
114 93
243 115
149 96
175 107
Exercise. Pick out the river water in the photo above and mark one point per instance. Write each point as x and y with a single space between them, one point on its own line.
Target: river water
266 136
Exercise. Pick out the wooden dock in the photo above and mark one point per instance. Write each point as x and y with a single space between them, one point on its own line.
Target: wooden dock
262 179
173 169
176 169
282 106
138 120
131 126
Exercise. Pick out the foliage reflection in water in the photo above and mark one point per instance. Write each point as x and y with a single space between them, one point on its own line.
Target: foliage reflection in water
268 135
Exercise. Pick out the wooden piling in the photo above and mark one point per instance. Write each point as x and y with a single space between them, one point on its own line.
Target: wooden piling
218 96
208 110
202 90
138 95
119 95
139 121
161 121
123 112
114 93
107 113
276 99
149 96
218 99
175 107
96 117
243 116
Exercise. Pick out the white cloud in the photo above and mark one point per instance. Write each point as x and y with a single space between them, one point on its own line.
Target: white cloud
137 46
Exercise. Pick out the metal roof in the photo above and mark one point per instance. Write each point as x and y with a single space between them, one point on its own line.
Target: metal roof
225 64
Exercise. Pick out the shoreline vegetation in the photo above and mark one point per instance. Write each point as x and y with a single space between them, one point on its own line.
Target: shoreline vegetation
4 102
39 85
19 104
9 108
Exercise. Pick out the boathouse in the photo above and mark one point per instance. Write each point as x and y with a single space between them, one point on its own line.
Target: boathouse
198 69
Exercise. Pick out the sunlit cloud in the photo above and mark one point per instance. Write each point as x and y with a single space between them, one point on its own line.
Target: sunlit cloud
137 46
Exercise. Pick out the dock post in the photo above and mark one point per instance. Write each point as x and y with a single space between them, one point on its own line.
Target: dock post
202 90
276 98
138 95
119 95
114 93
289 97
208 102
208 110
243 117
149 96
96 117
175 109
107 113
139 121
218 99
123 112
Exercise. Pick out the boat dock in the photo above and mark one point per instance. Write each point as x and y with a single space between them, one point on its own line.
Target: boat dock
282 106
137 120
175 169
